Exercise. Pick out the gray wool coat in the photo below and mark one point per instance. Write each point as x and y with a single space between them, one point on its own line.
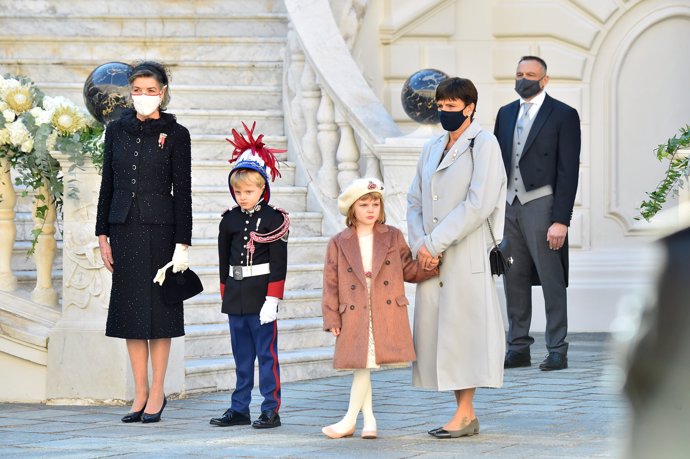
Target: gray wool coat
458 327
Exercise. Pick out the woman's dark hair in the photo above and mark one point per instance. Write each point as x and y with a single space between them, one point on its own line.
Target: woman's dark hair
155 70
458 89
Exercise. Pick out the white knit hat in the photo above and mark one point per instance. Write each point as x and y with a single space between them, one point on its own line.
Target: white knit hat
356 190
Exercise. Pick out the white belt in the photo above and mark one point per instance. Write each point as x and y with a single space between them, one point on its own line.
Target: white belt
240 272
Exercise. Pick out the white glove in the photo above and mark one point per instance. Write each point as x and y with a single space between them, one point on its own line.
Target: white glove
160 275
180 259
269 311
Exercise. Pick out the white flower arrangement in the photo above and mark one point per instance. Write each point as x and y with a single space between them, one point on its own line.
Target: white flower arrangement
33 124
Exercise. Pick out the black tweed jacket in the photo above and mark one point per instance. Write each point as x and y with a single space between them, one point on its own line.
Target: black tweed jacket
147 164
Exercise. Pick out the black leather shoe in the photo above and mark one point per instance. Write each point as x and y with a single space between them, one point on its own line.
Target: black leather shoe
554 361
134 416
231 418
516 359
268 420
148 418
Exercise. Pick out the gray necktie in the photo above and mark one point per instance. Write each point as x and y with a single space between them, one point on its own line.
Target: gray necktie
524 118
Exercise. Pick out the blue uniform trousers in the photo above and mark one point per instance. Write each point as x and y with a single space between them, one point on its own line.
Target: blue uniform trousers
250 340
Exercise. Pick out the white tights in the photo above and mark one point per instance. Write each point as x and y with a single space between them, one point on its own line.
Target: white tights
360 399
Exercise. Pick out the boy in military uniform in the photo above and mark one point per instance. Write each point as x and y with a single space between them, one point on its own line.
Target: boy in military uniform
252 253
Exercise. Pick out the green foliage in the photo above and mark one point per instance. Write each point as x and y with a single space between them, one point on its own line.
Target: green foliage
673 180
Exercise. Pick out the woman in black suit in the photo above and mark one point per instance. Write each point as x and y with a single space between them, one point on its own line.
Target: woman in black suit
144 220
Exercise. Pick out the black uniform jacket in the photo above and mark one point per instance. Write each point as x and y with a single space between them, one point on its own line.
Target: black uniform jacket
148 165
246 296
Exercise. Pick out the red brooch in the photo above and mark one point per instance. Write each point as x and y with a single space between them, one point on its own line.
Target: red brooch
161 140
372 186
367 274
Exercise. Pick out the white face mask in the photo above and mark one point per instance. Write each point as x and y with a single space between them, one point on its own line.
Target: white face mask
145 105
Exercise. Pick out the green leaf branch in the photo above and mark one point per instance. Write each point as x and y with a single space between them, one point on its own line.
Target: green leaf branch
677 171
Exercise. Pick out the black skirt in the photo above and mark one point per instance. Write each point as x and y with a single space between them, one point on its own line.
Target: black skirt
137 309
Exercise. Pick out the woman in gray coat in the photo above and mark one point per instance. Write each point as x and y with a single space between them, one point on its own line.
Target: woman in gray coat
458 328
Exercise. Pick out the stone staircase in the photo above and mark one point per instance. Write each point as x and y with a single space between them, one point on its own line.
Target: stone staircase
226 60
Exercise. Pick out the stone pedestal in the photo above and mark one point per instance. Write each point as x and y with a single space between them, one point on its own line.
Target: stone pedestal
85 366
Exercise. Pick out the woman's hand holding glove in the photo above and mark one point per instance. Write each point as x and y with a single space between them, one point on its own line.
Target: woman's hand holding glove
179 263
269 311
180 258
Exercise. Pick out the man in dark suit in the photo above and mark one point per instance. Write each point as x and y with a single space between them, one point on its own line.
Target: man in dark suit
540 142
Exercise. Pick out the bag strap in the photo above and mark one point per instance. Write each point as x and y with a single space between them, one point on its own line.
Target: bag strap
488 221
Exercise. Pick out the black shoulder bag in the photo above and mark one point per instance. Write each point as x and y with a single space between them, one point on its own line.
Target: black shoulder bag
499 263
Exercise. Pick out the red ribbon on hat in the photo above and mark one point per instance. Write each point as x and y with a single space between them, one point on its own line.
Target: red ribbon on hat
257 146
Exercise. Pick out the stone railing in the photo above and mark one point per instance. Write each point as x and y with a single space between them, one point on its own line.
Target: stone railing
335 123
45 250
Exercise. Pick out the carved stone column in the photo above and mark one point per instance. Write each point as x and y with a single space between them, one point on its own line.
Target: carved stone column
310 104
294 69
372 168
44 217
328 142
82 362
8 228
348 153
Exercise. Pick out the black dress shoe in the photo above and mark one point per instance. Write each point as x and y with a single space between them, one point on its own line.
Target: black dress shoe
268 420
516 359
231 418
149 418
554 361
134 416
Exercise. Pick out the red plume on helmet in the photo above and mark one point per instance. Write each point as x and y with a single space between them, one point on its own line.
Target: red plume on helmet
252 153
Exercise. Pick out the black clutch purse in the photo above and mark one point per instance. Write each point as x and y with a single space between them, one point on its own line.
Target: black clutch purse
178 287
499 263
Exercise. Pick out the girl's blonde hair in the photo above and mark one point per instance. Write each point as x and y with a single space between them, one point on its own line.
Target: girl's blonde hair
247 176
350 219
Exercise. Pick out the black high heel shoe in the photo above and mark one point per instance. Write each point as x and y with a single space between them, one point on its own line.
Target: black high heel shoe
134 416
148 418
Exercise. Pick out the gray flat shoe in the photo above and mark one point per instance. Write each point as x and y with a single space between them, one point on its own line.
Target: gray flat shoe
470 429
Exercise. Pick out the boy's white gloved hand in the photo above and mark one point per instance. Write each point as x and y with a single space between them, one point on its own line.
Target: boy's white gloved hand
180 259
269 311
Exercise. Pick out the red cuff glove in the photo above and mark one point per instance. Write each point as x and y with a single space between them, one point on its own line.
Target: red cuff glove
222 290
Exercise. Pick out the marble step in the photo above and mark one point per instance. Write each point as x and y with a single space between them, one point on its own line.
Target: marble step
215 172
21 261
306 276
22 320
26 279
262 73
214 339
296 304
191 96
217 198
166 7
222 122
238 49
302 225
218 373
214 147
144 26
204 252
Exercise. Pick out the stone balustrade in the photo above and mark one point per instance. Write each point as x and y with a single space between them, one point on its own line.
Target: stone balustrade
338 129
44 219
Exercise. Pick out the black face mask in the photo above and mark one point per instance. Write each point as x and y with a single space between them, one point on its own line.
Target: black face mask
451 121
527 88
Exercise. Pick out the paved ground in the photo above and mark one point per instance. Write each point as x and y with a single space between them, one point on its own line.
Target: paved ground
574 413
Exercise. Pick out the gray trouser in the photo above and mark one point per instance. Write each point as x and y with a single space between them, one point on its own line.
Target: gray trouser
525 241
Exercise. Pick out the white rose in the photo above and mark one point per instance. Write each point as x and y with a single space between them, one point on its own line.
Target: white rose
5 85
27 146
18 133
41 116
9 115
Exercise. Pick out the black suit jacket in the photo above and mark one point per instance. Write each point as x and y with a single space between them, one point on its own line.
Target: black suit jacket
143 169
551 155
